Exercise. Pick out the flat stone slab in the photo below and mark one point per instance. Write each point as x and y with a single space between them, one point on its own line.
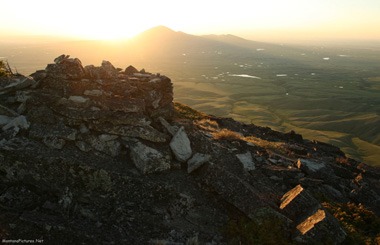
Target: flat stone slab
180 145
247 161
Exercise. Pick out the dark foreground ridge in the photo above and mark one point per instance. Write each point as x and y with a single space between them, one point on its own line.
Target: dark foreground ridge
101 155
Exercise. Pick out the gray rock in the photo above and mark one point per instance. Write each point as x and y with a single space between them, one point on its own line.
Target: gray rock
107 137
147 159
17 123
54 142
17 84
309 166
109 147
171 129
78 99
196 161
95 92
247 161
4 120
83 146
7 112
83 129
59 130
143 132
22 96
180 145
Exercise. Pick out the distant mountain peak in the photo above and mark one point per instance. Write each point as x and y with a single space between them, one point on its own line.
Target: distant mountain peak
162 30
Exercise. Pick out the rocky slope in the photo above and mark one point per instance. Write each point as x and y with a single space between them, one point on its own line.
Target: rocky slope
102 155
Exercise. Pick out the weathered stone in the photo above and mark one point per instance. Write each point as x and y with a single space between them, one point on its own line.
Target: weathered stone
180 145
309 166
320 227
17 123
123 105
149 160
54 142
83 146
41 114
143 132
130 70
109 69
196 161
17 84
247 161
65 68
298 203
78 99
95 92
7 112
4 120
107 137
309 223
40 131
109 147
235 190
290 195
171 129
22 96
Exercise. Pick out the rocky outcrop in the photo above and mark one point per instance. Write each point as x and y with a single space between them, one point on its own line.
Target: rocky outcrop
102 155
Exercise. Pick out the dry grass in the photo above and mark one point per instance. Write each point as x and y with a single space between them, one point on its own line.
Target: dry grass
361 224
276 147
207 124
226 134
186 112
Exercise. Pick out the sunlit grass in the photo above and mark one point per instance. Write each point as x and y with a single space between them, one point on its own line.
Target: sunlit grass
361 224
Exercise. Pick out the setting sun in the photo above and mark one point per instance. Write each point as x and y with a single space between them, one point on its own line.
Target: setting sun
259 20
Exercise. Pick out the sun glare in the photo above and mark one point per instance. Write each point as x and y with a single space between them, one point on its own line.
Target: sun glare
116 19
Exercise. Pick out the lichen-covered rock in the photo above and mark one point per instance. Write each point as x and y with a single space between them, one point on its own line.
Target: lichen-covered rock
196 161
149 160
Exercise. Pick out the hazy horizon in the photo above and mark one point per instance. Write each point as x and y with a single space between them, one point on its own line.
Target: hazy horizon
269 21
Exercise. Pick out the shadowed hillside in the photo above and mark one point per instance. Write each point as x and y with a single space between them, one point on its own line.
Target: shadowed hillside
95 154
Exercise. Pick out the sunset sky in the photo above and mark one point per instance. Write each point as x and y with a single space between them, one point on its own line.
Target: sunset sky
257 20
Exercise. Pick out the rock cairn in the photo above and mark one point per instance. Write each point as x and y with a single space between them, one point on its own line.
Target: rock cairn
96 108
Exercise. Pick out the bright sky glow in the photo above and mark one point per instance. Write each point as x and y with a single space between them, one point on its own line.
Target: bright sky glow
252 19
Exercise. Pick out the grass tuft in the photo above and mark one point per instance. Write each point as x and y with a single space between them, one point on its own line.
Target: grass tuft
186 112
361 224
226 134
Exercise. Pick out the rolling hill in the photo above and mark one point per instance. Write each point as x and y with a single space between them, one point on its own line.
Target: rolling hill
327 93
